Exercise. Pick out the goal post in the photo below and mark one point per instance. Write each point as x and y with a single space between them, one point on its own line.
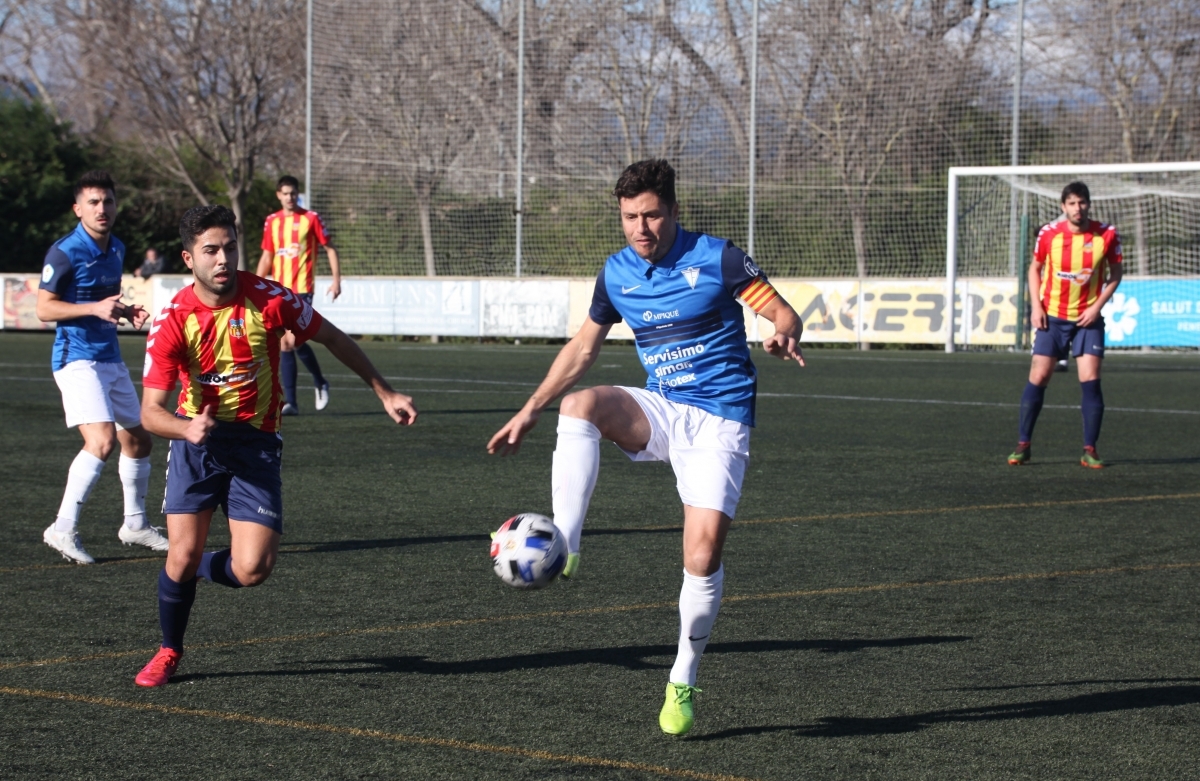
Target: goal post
1155 207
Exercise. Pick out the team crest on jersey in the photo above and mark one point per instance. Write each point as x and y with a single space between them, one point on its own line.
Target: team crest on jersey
47 273
752 269
237 328
691 274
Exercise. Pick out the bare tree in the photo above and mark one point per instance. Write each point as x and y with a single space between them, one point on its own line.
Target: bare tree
643 80
869 75
1142 58
557 33
203 84
412 90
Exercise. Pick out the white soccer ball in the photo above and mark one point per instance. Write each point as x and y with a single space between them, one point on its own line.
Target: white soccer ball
528 551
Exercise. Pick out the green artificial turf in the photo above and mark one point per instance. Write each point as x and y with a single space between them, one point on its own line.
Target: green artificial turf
899 602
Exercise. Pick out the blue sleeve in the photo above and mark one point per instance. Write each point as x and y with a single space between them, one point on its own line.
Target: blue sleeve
603 312
57 273
738 270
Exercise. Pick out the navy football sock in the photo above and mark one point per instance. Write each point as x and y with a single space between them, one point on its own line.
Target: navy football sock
1092 407
309 358
1031 406
287 375
174 607
217 567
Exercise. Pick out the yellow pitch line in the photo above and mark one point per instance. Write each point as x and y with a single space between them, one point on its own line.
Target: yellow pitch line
591 611
358 732
975 508
299 548
127 560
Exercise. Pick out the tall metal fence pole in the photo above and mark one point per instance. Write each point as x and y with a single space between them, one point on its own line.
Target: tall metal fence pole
308 77
520 208
753 128
1014 263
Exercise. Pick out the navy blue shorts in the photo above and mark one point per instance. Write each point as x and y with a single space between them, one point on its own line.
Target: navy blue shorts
1065 336
237 468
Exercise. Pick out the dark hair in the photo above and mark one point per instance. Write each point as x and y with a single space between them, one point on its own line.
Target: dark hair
99 180
293 181
1076 188
200 218
656 176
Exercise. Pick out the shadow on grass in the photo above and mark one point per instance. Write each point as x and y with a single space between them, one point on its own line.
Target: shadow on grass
334 546
1152 461
639 657
1079 705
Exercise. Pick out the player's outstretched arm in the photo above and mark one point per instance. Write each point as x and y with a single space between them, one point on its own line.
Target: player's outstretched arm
785 342
398 406
159 420
264 264
51 308
573 361
1037 316
335 270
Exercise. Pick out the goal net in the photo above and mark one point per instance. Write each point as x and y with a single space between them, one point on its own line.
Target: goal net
994 214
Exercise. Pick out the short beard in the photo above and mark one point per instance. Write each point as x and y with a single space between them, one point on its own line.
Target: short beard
219 290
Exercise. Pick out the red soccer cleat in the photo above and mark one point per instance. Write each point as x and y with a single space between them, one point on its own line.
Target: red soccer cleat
160 669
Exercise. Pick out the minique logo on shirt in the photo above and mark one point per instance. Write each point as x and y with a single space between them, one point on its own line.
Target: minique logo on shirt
47 273
691 274
237 328
290 251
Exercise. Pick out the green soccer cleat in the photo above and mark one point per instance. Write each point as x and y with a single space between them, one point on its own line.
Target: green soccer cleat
676 715
1021 455
571 567
1090 459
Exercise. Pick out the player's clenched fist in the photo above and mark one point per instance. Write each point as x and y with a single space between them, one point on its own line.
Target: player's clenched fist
200 426
400 408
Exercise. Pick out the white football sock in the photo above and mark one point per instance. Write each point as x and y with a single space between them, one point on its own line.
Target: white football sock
573 478
135 479
81 478
699 602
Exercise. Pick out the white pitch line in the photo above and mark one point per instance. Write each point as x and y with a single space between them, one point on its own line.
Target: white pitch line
965 403
827 396
441 379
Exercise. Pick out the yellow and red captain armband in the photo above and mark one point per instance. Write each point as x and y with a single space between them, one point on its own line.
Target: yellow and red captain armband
758 294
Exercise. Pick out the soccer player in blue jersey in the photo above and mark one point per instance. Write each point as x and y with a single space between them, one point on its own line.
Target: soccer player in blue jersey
81 291
680 292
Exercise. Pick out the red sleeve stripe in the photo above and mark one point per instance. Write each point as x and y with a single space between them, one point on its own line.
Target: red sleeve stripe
758 294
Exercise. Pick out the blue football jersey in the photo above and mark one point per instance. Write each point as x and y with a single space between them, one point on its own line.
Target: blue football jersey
690 328
77 271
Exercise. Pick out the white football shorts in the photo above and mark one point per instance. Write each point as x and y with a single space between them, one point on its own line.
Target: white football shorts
98 393
708 453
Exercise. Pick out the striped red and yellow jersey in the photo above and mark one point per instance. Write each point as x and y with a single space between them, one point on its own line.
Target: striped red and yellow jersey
227 358
292 240
1075 265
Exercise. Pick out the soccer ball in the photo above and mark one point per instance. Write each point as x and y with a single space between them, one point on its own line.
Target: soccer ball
528 551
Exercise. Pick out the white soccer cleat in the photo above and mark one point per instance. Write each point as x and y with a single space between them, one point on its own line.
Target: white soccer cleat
322 397
68 545
289 409
151 537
